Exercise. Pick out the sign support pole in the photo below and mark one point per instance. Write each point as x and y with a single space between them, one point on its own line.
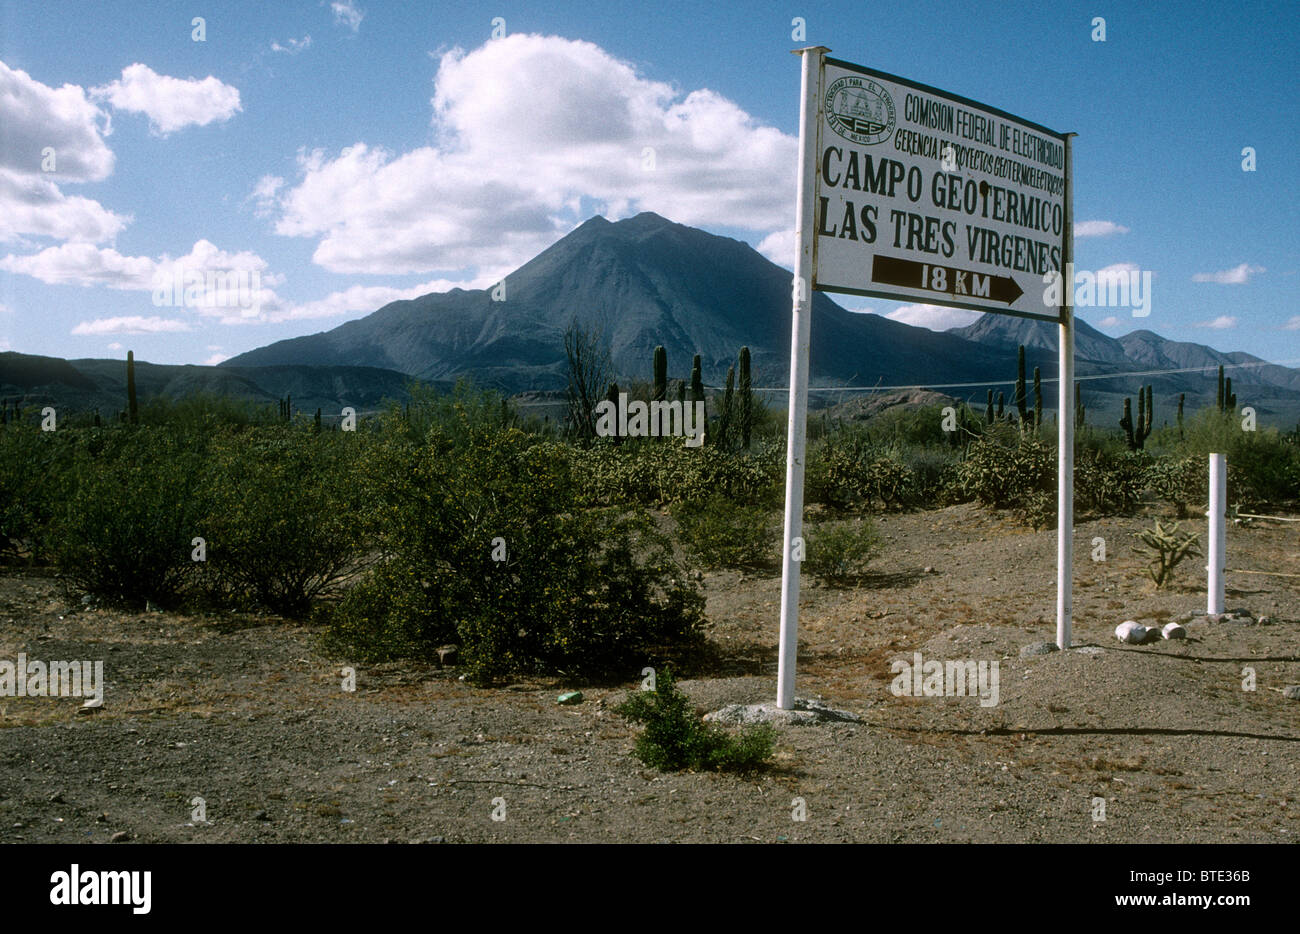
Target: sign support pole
809 131
1065 417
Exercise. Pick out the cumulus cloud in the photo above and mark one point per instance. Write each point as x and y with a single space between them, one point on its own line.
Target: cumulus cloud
292 46
531 129
1237 275
1221 323
347 14
934 317
171 103
83 264
37 117
780 246
1293 324
368 298
131 325
1110 321
1098 229
34 206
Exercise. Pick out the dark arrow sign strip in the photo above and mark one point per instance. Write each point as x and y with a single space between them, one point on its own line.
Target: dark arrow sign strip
960 283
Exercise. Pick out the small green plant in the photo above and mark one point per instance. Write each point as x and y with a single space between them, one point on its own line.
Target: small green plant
723 534
676 739
837 552
1168 547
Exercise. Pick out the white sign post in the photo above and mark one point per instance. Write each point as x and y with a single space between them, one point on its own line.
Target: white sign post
911 193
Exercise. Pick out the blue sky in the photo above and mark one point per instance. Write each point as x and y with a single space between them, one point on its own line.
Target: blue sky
351 153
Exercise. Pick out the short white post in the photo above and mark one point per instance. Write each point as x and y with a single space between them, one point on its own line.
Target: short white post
1217 536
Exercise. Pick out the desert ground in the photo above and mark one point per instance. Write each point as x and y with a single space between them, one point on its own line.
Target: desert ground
247 714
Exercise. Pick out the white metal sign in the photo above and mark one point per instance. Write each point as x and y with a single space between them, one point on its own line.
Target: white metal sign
912 193
928 197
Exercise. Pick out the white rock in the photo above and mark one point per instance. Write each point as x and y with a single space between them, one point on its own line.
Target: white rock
1133 633
1174 631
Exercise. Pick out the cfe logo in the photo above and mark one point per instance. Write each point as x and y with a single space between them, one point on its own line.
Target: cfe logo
860 110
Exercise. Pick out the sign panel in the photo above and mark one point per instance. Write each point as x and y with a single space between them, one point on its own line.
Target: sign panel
927 197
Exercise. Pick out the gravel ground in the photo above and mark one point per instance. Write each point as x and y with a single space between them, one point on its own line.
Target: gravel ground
247 714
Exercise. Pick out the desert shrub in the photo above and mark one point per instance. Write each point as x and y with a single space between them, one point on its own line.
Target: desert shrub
35 473
661 471
1110 481
932 469
1167 547
488 544
1005 475
837 552
1180 481
287 516
1263 465
723 534
125 530
676 739
849 470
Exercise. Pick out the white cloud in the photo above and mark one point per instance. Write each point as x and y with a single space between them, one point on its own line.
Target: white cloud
1293 324
347 14
1110 321
1237 275
1223 322
35 116
934 317
115 345
263 195
131 325
216 358
83 264
1098 229
34 206
292 46
780 246
1116 270
530 129
171 103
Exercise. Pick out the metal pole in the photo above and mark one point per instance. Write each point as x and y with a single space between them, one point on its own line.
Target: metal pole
809 124
1217 535
1065 420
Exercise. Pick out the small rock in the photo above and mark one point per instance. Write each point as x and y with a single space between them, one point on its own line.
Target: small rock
447 654
1131 632
261 815
1291 691
1037 648
1174 631
88 600
928 569
120 837
56 798
570 697
1265 621
1090 650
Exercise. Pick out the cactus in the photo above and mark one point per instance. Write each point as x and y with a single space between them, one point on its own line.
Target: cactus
1229 397
746 399
1167 547
612 396
1079 408
697 387
661 373
1181 397
1001 400
681 391
316 422
1222 397
1137 434
988 408
1038 401
132 407
98 423
728 409
1019 397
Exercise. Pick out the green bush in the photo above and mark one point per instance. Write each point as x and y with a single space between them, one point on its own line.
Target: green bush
1007 475
838 552
580 591
125 532
288 515
676 739
851 470
1180 481
1110 481
662 471
35 472
722 534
